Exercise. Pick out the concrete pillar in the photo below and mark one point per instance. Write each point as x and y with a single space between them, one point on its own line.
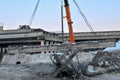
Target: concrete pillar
42 43
47 51
0 50
1 54
55 43
1 26
47 42
51 42
3 50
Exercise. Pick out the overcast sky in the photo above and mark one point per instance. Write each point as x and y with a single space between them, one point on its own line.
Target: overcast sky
102 14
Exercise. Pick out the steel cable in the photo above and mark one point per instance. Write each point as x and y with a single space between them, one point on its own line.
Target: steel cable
84 17
34 12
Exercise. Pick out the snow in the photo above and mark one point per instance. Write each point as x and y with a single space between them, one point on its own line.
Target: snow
117 47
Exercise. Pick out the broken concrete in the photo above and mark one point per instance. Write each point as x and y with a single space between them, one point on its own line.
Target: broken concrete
90 63
104 58
26 58
104 62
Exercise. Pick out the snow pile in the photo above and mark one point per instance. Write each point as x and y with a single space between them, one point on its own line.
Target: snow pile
117 47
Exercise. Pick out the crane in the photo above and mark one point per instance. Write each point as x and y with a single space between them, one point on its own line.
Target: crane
68 16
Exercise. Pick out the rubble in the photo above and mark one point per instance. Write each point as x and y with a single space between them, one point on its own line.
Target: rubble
26 58
101 63
104 58
104 62
65 64
74 63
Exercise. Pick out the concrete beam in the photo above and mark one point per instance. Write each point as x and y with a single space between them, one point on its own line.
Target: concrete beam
83 45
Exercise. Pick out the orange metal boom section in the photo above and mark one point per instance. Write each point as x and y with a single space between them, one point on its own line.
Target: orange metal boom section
68 16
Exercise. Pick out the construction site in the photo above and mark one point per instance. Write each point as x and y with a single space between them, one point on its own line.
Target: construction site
35 54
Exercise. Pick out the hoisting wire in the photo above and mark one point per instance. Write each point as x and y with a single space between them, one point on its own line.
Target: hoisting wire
34 12
62 26
84 17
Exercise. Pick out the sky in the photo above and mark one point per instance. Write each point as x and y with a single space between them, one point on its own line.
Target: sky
103 15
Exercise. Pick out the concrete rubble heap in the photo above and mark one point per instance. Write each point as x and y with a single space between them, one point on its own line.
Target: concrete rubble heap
102 62
76 62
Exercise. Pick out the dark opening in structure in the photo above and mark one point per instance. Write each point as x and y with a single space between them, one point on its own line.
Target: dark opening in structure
18 62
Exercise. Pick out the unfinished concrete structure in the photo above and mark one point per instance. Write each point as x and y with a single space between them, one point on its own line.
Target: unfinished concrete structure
27 36
94 36
48 42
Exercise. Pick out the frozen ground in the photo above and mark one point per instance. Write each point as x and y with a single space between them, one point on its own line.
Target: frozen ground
30 72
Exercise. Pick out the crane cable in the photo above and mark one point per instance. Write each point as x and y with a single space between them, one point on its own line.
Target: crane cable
34 12
84 17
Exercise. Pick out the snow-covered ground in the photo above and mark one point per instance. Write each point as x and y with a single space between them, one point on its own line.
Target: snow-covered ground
30 72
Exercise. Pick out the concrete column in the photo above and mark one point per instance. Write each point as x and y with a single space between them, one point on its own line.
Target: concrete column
47 42
42 43
3 50
1 54
51 42
55 43
1 26
47 51
0 50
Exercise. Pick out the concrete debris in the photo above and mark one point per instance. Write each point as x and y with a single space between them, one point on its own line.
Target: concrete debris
65 64
105 59
26 58
25 71
74 63
104 62
101 63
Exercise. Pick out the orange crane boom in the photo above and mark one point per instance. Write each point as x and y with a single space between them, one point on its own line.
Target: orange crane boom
68 16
